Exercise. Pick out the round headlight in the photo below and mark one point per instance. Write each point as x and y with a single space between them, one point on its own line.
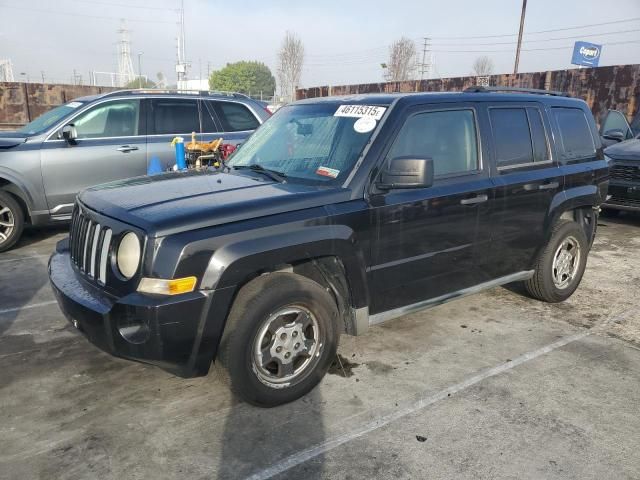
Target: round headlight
128 257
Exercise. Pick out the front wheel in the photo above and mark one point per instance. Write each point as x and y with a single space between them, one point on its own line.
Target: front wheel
280 339
561 264
11 221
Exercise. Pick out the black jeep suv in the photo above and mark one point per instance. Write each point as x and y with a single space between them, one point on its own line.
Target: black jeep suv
335 215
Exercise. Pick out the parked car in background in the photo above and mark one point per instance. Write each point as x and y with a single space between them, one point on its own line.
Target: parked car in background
623 151
615 128
344 213
102 138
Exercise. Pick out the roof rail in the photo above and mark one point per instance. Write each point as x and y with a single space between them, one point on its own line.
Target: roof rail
480 89
133 91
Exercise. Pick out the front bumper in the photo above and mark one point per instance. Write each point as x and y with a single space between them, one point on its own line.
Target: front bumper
179 334
624 196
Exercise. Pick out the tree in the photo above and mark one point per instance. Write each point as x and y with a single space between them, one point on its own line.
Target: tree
402 60
483 66
290 61
140 82
244 77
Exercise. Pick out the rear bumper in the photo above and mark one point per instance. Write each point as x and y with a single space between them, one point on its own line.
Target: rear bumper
179 334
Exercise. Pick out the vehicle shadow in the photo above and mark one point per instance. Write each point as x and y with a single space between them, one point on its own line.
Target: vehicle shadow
23 276
257 442
36 235
621 218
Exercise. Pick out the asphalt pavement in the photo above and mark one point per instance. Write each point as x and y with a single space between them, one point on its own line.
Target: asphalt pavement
495 385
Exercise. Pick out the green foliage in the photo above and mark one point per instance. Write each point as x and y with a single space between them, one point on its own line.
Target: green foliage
244 77
140 83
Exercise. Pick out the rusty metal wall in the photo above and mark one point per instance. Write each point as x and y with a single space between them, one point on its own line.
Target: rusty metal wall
22 102
603 88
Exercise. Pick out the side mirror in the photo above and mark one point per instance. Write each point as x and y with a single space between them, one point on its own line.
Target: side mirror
615 134
69 133
407 172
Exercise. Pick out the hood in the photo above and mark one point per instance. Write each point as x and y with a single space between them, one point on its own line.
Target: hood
628 150
11 139
175 202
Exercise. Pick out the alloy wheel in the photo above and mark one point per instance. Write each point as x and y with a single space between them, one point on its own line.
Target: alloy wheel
287 346
566 262
7 223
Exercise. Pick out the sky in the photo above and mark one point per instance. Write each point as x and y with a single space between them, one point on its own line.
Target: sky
345 40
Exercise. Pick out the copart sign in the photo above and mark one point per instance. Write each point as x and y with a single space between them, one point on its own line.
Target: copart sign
586 54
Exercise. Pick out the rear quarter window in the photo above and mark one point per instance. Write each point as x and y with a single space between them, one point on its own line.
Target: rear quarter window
576 140
235 117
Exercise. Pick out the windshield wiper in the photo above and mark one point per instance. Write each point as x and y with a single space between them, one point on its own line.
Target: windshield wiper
272 174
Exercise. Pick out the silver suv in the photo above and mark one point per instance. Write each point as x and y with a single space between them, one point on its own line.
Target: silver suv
98 139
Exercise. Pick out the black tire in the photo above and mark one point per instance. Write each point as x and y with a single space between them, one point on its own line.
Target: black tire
15 215
255 304
542 285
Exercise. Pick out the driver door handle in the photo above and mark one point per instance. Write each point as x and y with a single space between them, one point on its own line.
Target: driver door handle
473 200
127 148
549 186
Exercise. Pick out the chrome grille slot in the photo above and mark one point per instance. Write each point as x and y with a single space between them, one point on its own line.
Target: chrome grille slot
85 244
104 256
89 245
94 250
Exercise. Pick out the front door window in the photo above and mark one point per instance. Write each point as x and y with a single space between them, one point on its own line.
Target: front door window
110 119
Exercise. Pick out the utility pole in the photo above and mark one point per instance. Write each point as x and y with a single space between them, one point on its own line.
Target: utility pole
425 66
140 70
524 8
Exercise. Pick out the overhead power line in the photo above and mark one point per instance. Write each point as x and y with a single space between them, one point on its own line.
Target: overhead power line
125 5
383 49
378 59
578 27
74 14
538 40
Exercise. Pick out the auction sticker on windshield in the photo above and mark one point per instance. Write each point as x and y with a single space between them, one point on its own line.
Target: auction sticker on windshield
327 172
360 111
74 104
364 125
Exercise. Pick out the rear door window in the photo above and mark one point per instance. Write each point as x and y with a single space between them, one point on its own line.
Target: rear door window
575 135
174 116
538 136
512 136
235 117
207 116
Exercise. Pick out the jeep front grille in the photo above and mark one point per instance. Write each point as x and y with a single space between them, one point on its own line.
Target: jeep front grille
89 244
630 173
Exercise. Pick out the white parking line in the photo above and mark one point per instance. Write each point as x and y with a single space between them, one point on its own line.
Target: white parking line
424 402
23 258
25 307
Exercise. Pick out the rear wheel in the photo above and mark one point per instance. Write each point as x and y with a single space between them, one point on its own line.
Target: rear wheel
280 339
561 264
11 221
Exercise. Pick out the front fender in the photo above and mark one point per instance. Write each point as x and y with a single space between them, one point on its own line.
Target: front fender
19 186
234 263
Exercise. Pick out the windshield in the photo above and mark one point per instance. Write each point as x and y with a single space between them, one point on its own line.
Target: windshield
314 144
46 120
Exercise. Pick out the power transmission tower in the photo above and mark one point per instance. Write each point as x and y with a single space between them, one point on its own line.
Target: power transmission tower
6 70
425 66
181 62
126 72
